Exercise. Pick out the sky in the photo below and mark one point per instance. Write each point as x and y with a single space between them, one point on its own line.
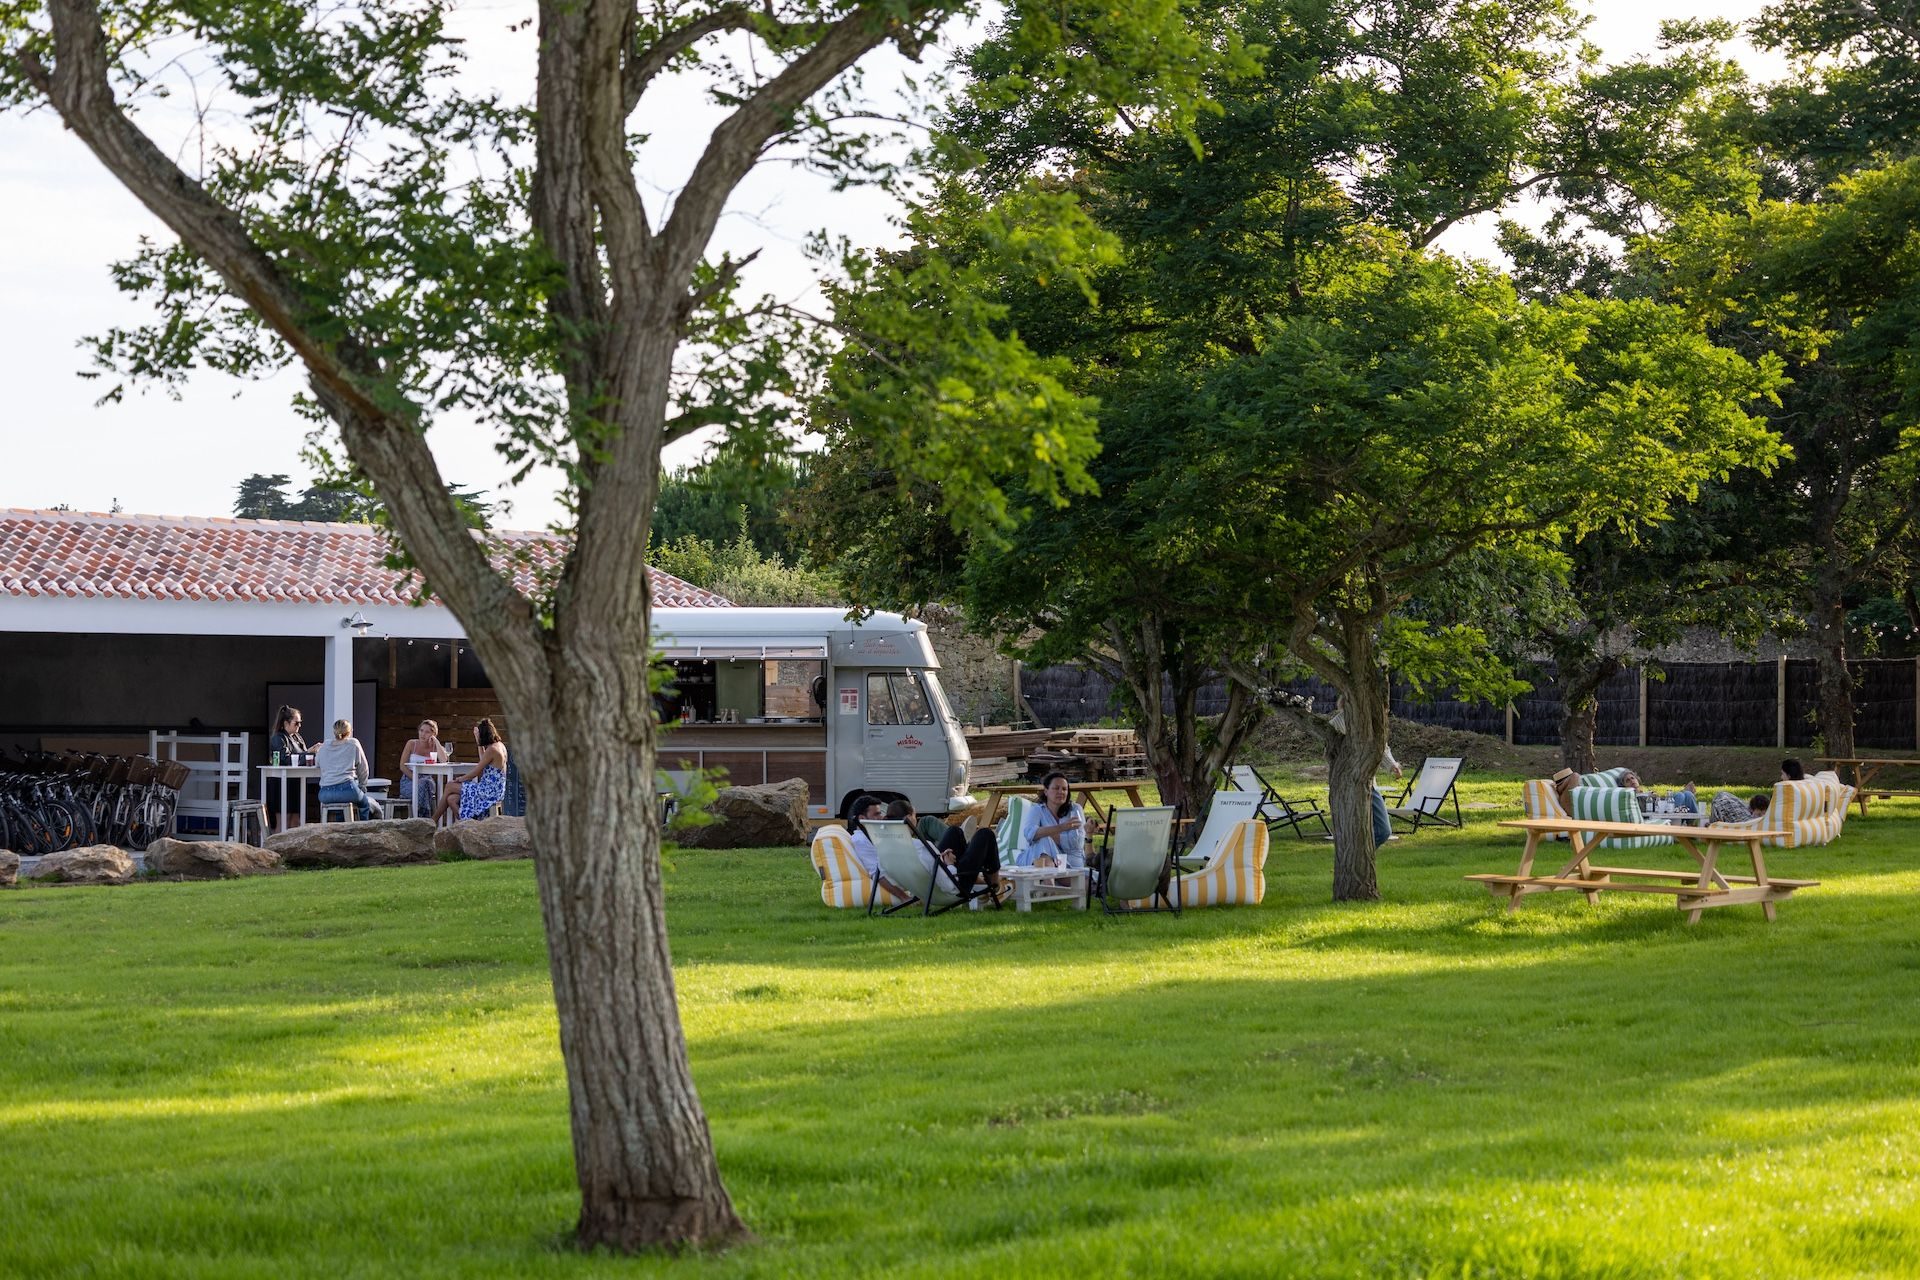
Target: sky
64 220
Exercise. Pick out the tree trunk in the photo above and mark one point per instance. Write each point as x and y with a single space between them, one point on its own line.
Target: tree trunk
1834 716
642 1151
1353 760
1580 683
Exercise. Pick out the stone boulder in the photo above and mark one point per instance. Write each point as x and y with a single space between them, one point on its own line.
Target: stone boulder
384 842
89 864
9 868
487 839
753 818
209 859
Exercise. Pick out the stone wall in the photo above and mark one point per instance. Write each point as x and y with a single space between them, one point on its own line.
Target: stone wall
977 677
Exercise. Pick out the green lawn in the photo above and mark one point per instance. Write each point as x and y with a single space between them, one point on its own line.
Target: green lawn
355 1074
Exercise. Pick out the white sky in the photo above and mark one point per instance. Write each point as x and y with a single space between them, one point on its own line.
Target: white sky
63 219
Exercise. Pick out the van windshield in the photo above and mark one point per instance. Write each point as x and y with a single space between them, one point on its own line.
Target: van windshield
939 696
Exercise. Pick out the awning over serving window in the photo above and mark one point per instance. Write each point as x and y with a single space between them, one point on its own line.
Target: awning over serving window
724 649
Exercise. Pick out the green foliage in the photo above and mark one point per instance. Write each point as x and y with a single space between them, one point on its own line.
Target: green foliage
741 572
265 497
713 499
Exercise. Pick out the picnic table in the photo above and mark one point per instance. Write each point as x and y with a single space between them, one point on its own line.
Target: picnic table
997 796
1866 770
1703 887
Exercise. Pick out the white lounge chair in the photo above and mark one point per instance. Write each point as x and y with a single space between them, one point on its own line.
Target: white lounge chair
1228 810
936 890
1138 862
1274 810
1430 789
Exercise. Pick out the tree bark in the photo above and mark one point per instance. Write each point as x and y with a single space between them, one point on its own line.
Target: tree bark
643 1155
1833 718
1353 761
1580 681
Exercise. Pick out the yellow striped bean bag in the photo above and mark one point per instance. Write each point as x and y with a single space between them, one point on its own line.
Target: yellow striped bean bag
843 881
1237 877
1540 800
1809 812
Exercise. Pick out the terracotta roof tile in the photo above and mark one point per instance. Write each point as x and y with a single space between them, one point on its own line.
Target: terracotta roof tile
88 555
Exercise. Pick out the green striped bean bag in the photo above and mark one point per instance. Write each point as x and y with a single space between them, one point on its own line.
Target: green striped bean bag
1614 804
1605 778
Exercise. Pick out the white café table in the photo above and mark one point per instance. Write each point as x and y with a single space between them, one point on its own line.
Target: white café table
299 773
441 773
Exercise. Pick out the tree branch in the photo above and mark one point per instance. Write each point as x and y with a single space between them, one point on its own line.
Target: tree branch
387 444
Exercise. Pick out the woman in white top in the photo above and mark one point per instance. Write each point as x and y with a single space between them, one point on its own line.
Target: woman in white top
423 748
1054 833
343 771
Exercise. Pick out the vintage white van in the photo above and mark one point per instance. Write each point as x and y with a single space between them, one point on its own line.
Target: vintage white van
851 708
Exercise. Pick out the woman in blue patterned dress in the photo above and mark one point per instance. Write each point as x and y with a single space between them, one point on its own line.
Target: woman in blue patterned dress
474 793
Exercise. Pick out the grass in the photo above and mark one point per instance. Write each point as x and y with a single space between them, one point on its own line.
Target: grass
355 1074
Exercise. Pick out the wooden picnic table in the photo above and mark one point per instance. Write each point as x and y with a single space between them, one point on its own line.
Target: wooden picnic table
997 795
1866 770
1705 886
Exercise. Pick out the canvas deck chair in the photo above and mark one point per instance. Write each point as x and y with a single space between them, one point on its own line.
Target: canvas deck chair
1228 810
1006 832
1430 789
1138 863
936 891
1275 811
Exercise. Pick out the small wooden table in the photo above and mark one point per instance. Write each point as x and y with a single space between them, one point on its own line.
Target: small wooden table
1865 771
1702 888
1048 884
997 795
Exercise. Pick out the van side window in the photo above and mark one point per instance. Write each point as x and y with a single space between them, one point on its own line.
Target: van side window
910 700
880 701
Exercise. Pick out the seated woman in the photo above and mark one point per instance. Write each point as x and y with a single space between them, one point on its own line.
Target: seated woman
284 742
423 748
343 771
971 859
868 809
1055 831
478 790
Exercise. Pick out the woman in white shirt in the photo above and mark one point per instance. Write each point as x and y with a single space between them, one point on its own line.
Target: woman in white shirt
423 748
1054 833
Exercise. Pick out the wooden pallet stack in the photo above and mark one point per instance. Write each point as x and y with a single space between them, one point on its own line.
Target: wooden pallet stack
1000 752
1100 754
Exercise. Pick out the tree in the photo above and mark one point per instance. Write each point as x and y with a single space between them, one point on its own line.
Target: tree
712 501
1254 517
424 250
264 497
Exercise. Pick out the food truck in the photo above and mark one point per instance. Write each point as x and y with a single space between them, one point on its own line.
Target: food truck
851 708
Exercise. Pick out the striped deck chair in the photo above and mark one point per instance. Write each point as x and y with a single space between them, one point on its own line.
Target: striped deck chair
1808 813
1615 804
843 881
1238 877
1540 800
1006 832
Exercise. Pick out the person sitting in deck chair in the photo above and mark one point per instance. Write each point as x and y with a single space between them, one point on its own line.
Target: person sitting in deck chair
869 809
1055 832
970 859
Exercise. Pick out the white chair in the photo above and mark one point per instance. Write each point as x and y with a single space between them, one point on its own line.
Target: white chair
1229 810
347 810
1274 809
1429 790
216 778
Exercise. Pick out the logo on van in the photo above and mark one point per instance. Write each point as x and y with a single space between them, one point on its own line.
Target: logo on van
908 743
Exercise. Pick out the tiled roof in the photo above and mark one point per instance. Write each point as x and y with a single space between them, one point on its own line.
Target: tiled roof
89 555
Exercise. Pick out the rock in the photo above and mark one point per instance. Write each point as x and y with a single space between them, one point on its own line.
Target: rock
90 864
488 839
9 868
384 842
209 859
753 818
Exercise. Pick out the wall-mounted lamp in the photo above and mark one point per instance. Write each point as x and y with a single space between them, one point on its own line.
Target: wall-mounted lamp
359 624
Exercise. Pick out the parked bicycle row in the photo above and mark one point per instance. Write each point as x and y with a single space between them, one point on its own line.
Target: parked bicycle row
51 801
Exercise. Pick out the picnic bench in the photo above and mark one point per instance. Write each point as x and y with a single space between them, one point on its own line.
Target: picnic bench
1698 889
1865 771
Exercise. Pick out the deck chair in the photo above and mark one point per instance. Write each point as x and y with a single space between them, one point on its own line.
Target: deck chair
1430 789
936 891
1228 810
1006 832
1275 811
1138 862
